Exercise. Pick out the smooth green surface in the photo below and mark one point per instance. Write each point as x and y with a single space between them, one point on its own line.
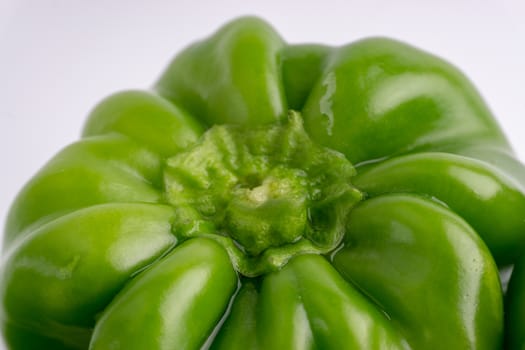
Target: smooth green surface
146 118
379 97
174 305
100 248
515 308
92 171
302 67
458 182
264 195
232 77
307 305
386 255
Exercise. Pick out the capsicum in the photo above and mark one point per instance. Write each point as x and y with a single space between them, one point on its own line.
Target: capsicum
266 195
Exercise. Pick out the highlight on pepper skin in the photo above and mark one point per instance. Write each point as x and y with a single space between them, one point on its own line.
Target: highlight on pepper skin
262 195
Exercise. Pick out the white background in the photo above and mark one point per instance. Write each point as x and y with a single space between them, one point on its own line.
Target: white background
58 58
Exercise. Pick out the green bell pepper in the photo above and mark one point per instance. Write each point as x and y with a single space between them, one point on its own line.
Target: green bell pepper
266 195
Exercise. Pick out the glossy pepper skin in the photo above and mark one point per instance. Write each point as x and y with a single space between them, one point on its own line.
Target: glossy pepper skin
266 195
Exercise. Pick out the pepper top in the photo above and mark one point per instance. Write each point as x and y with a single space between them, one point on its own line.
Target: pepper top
267 193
